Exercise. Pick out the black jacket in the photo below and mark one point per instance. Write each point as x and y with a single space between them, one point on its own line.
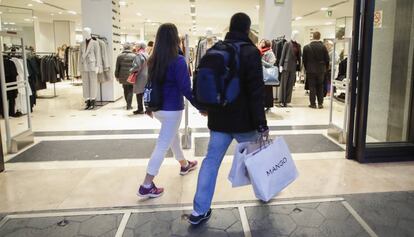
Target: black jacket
315 57
124 65
247 112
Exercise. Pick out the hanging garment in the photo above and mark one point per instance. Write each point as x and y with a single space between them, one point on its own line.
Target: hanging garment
104 73
90 56
11 74
291 56
286 86
21 102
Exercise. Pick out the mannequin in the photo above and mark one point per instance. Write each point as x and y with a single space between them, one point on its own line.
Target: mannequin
89 64
290 62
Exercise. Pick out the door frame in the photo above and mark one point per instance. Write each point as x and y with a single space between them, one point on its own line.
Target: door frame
357 147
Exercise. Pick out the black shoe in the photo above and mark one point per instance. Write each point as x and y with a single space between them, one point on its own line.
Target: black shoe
320 106
88 104
312 106
196 220
92 106
138 112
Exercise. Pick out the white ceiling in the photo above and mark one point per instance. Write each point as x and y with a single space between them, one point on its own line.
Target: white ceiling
213 14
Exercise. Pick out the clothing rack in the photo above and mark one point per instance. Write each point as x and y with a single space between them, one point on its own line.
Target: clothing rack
54 84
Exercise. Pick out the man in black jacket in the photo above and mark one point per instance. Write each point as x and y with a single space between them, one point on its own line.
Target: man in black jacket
243 120
316 62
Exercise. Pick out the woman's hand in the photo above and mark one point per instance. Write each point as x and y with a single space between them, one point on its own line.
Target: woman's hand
149 113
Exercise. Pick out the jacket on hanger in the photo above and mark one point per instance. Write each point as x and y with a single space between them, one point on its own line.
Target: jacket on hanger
90 56
290 58
104 73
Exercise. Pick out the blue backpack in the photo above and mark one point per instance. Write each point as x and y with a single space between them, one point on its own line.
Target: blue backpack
217 82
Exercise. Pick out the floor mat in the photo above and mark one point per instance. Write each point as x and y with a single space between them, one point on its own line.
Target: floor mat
105 149
300 143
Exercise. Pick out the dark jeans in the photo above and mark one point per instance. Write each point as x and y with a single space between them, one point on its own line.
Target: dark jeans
316 87
128 93
139 102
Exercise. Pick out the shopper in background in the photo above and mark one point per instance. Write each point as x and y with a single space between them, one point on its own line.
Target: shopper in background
268 60
316 63
150 47
241 121
169 70
122 69
140 67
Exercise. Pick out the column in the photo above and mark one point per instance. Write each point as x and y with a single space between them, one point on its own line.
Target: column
64 33
103 17
275 19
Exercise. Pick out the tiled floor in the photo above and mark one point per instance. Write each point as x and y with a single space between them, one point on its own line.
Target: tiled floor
358 215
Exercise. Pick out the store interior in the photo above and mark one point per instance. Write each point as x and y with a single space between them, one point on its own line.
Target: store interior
53 31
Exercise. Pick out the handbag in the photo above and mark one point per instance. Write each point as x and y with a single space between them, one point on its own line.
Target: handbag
238 175
152 96
271 76
271 169
132 78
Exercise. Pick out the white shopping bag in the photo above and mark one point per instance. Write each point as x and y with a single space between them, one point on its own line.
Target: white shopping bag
238 173
271 169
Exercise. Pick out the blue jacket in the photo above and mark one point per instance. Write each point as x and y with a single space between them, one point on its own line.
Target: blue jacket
176 85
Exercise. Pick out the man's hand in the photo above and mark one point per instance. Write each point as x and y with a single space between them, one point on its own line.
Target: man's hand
263 131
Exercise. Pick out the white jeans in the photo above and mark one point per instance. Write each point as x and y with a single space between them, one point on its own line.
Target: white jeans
168 137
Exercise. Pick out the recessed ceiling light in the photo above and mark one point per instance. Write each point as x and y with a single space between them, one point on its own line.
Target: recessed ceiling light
27 19
139 14
34 17
298 18
72 12
192 5
324 9
122 3
148 20
329 23
60 13
257 7
193 14
12 23
1 13
30 5
38 1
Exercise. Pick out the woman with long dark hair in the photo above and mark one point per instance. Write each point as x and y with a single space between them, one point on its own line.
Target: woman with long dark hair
169 69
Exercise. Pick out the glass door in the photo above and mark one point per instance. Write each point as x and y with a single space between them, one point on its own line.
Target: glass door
382 114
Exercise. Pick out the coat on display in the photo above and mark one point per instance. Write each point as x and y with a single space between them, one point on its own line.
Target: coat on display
90 56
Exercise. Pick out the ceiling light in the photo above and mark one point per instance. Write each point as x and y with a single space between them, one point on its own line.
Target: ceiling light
298 18
324 9
193 14
72 12
1 13
38 1
139 14
60 13
329 23
5 23
192 5
257 7
122 3
148 20
194 21
12 23
34 17
30 5
27 19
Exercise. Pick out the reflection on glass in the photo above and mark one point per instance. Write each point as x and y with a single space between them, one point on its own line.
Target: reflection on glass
390 95
20 21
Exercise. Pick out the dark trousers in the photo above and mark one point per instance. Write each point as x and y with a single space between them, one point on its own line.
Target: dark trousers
128 93
286 86
139 102
316 87
268 96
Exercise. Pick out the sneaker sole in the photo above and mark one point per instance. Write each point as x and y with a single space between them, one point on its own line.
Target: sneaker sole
200 221
188 171
150 195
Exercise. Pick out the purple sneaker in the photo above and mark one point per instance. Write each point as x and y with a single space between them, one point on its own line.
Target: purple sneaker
151 192
192 165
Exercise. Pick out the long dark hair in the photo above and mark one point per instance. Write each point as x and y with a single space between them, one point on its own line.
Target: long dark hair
165 51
